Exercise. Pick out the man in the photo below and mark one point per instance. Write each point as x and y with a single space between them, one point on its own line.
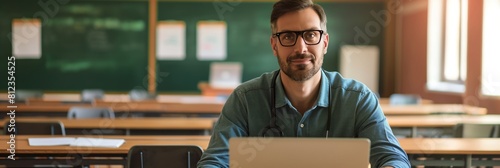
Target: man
301 99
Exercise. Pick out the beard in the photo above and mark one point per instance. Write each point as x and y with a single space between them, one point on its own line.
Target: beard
299 72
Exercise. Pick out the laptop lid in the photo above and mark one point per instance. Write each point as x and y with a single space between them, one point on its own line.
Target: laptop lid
225 74
259 152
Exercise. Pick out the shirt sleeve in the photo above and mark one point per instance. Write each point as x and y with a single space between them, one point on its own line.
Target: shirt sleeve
231 123
372 124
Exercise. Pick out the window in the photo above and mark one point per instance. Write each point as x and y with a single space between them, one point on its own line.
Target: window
490 73
447 45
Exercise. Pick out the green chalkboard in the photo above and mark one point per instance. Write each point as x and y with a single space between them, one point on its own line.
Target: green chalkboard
103 44
248 26
85 44
248 41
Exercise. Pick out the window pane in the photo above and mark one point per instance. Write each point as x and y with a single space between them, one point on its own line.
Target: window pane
452 40
463 41
447 45
434 40
491 59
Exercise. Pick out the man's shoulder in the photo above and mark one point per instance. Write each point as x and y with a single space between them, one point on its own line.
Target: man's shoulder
261 82
337 81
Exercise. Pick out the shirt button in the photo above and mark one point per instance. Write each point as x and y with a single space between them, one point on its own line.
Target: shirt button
301 125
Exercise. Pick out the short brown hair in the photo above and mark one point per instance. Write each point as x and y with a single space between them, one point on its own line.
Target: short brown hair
284 6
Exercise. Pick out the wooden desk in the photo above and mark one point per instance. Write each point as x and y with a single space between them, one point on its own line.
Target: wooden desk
385 100
128 124
41 101
431 121
457 148
41 108
440 120
87 155
207 90
426 109
159 106
414 147
198 104
178 104
72 97
215 108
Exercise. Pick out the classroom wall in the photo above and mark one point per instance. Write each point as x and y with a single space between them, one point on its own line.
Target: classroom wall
103 44
412 59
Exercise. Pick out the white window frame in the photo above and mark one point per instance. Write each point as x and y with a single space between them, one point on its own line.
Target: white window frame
490 78
445 42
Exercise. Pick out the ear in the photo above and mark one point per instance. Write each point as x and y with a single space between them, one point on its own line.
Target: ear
273 45
325 42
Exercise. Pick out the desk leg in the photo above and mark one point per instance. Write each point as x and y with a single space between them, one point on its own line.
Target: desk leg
468 161
414 131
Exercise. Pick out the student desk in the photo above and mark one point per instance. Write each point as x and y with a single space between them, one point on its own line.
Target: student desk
426 109
132 107
177 104
442 121
67 155
139 124
462 152
202 107
198 104
385 100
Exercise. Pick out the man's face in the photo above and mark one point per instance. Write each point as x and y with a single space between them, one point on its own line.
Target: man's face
300 61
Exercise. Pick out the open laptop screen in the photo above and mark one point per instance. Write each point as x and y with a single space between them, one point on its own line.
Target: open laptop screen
298 152
225 74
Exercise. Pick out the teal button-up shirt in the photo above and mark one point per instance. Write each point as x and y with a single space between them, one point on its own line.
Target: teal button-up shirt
355 112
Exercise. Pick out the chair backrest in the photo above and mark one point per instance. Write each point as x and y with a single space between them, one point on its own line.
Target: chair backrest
89 95
23 95
470 130
91 112
35 128
140 94
404 99
156 156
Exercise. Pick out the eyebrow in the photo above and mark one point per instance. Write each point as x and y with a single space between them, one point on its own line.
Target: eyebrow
286 30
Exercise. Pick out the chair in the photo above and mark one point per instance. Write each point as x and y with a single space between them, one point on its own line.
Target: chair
94 112
404 99
35 128
470 130
91 112
156 156
89 95
24 95
140 94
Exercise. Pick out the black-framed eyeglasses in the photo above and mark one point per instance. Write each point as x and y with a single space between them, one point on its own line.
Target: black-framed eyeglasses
289 38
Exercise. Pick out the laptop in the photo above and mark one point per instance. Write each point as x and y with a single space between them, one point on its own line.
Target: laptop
225 75
249 152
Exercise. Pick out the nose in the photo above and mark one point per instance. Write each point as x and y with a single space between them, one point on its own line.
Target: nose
300 46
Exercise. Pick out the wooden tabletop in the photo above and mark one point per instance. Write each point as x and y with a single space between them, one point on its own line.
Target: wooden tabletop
205 104
162 123
410 145
451 145
440 120
122 103
426 109
22 145
385 100
215 108
207 123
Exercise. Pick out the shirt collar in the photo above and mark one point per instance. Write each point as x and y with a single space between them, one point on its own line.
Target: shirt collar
323 96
